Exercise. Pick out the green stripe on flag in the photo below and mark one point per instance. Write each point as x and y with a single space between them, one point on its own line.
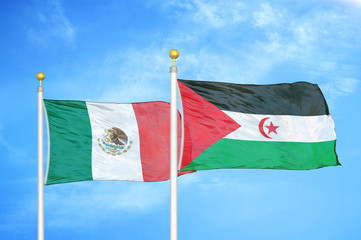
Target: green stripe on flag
230 153
70 142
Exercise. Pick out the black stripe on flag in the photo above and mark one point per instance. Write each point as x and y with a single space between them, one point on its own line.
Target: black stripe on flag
300 98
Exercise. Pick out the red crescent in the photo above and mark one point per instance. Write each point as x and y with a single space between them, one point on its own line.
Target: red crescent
260 126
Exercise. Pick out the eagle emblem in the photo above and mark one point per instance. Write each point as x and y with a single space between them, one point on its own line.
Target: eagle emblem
114 141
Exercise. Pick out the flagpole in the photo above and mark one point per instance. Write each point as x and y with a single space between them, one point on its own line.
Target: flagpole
173 148
40 76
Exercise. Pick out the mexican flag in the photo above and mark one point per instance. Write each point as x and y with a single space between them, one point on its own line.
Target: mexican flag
107 141
280 126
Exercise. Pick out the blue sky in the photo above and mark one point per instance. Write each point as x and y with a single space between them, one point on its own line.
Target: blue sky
117 51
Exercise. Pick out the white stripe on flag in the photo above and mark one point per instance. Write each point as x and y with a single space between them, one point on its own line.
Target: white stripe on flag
126 166
290 128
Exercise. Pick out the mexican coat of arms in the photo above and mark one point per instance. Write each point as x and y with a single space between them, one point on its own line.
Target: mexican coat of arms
114 141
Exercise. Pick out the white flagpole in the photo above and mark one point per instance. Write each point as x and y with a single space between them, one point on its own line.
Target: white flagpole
40 76
173 148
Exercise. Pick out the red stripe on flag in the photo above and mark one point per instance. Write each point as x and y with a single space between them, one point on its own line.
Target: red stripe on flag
204 124
153 120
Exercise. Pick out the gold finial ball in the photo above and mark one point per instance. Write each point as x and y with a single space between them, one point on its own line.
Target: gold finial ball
173 53
40 76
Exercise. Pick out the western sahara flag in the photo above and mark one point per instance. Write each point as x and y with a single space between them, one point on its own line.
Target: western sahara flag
107 141
281 126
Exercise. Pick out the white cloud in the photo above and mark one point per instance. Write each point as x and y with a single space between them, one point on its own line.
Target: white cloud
122 75
14 151
348 85
17 220
52 24
132 76
268 16
305 41
211 14
226 190
304 34
218 15
188 180
86 204
338 87
353 2
308 42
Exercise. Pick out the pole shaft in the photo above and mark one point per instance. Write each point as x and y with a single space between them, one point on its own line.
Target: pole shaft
173 155
40 165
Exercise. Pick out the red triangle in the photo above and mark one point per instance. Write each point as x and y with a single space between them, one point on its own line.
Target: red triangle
204 124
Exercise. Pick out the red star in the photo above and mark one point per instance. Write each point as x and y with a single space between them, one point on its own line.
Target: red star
272 128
